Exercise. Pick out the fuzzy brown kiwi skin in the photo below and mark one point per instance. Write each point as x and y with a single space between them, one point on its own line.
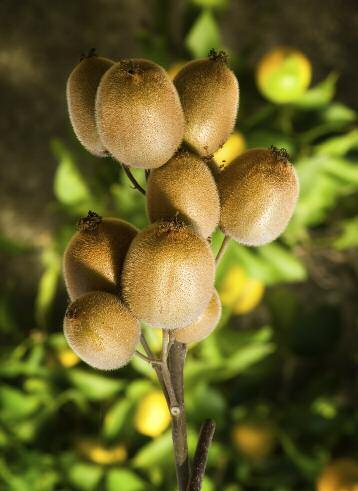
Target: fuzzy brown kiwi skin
101 330
258 193
209 94
168 275
138 113
81 91
184 187
204 325
94 257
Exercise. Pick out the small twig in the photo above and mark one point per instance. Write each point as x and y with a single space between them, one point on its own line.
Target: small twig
133 179
146 346
157 367
222 249
146 172
201 454
152 361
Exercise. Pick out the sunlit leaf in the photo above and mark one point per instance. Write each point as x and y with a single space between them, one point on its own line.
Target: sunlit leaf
85 477
124 479
116 418
338 112
339 145
155 452
93 385
47 287
210 3
204 35
16 404
319 95
69 186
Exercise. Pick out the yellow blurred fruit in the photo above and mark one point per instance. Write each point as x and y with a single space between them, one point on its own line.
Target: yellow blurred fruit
283 75
234 146
94 451
255 440
175 68
339 475
67 358
152 416
239 292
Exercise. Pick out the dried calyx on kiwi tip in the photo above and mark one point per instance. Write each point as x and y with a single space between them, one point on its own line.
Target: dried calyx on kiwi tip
168 275
94 257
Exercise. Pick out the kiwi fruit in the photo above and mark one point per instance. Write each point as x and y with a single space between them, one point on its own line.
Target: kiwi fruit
204 324
258 193
184 187
81 95
209 94
138 113
101 330
94 257
168 275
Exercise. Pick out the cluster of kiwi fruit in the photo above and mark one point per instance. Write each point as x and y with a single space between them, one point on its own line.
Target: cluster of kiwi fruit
117 276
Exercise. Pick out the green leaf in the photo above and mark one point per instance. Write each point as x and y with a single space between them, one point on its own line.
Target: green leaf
85 477
47 287
319 95
349 235
204 35
69 186
210 3
285 266
270 264
124 479
339 145
205 402
307 464
333 177
155 452
338 113
94 386
116 418
15 404
244 356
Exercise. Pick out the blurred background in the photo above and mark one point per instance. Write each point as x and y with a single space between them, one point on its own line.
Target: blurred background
279 374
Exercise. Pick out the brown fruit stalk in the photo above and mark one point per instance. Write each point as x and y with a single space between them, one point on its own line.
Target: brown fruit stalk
184 187
94 257
204 325
138 113
258 193
81 94
101 330
209 93
168 275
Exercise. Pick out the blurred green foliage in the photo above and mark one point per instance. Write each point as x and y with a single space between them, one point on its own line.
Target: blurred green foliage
287 363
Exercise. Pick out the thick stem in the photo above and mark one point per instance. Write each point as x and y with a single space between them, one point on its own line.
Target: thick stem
201 454
157 367
176 359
